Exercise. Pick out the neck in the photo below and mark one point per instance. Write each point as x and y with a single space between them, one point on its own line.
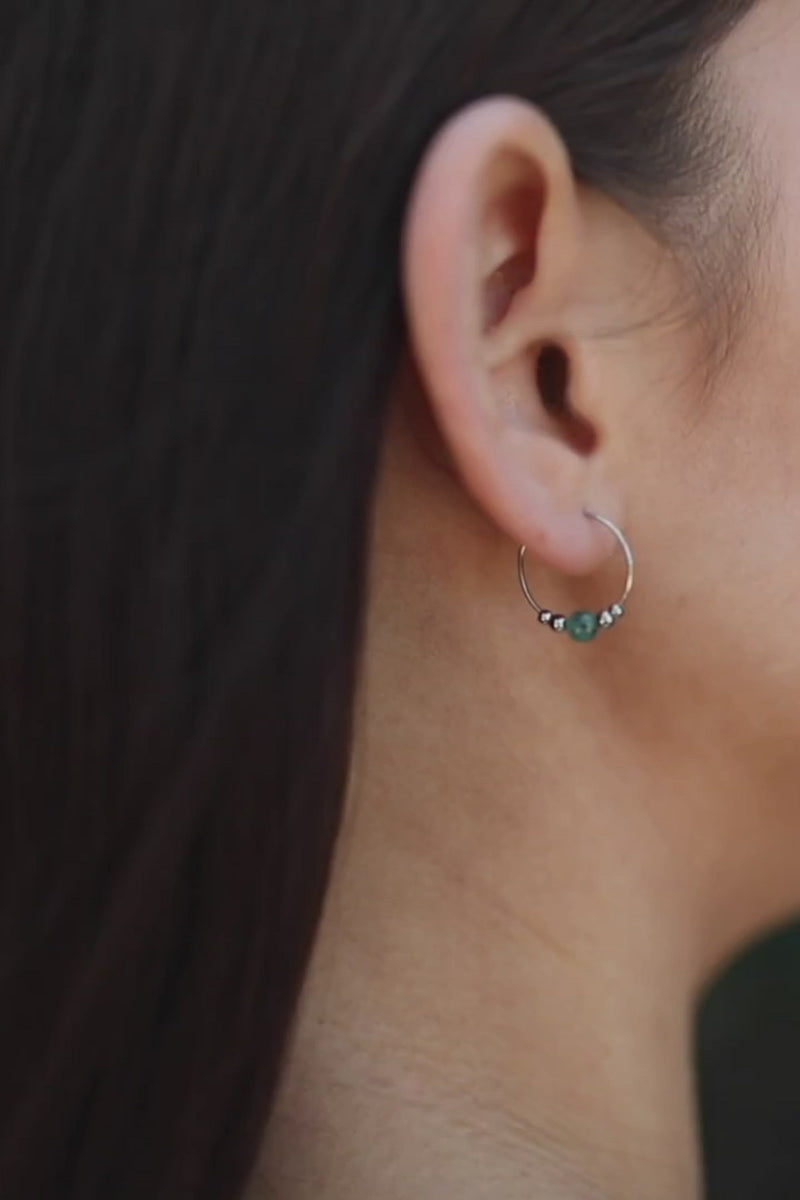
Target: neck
501 998
502 991
451 1046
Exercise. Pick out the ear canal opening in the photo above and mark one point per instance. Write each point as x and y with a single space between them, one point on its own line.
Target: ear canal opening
553 382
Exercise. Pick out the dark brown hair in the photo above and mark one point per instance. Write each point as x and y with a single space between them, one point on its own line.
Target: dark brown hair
200 216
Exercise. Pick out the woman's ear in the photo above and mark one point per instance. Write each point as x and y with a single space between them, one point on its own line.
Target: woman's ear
492 258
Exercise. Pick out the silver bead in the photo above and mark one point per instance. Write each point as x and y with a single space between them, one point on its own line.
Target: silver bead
606 619
617 612
559 624
546 618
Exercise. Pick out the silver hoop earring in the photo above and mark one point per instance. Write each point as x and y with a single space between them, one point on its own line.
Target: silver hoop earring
583 626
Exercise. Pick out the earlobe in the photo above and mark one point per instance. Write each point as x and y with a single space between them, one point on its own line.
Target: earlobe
492 252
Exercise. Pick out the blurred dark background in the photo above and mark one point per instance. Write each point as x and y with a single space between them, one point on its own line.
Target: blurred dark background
748 1053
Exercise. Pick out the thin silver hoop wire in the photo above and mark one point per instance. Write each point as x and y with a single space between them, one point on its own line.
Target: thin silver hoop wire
626 550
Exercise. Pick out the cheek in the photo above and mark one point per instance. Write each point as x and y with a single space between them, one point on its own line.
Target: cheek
746 462
751 453
716 519
728 525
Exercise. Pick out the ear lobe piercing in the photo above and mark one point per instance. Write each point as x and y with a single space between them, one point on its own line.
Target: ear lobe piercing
583 626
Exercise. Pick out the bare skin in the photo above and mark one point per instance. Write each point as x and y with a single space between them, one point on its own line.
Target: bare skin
550 848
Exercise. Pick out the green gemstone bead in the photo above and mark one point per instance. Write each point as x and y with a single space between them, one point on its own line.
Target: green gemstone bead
583 626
